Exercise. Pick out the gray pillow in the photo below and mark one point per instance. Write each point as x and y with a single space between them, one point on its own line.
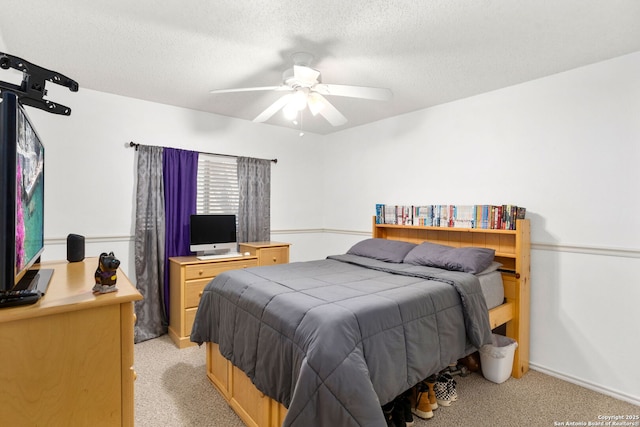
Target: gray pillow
382 249
468 259
492 267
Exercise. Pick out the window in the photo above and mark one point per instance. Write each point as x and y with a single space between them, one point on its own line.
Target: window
217 183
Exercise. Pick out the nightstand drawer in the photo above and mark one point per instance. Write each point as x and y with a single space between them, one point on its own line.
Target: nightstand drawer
202 271
270 256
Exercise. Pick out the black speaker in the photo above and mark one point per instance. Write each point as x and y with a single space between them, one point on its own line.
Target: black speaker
75 248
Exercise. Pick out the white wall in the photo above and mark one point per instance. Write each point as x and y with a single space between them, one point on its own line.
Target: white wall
566 147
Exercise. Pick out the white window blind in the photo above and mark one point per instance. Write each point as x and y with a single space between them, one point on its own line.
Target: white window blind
217 185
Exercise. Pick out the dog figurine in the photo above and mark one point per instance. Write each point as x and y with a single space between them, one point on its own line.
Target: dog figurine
106 276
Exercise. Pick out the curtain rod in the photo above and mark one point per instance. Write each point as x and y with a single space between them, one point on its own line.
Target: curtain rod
133 144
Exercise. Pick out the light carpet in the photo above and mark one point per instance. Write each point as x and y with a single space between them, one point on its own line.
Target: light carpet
172 389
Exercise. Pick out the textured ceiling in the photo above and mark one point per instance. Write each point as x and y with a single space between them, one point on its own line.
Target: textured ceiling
427 52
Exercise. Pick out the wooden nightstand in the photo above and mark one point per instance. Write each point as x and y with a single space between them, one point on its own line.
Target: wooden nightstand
268 253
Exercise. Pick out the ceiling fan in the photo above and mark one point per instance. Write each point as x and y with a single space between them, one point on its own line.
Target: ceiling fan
304 88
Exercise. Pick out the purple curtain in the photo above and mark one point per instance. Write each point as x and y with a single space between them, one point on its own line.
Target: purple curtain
180 168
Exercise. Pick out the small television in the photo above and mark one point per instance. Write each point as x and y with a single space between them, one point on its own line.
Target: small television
212 234
21 199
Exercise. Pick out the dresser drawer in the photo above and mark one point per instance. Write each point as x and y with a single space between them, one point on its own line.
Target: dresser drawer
189 318
202 271
270 256
188 276
192 290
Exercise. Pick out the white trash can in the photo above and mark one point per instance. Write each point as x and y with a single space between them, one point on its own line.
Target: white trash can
496 359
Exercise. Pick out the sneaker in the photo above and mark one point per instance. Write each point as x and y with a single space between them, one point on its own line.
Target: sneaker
422 406
442 391
451 385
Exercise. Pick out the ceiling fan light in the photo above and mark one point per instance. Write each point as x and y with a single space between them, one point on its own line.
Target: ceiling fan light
315 103
299 100
290 113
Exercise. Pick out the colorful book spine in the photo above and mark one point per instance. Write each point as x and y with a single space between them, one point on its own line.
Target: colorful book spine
379 213
499 217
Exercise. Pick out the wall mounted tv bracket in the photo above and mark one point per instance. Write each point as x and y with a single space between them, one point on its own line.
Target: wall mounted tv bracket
32 90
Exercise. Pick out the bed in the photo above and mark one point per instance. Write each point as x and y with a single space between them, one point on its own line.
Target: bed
331 340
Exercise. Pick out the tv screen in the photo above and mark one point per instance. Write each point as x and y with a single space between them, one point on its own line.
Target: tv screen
29 195
22 206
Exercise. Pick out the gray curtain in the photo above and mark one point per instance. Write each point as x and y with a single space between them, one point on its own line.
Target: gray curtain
150 244
254 209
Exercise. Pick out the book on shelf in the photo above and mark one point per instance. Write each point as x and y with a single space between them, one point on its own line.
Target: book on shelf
379 213
496 217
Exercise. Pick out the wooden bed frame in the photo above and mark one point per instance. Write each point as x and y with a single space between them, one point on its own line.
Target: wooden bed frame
512 250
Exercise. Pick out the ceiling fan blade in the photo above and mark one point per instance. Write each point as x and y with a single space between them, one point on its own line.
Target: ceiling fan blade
306 74
273 108
329 112
375 93
250 89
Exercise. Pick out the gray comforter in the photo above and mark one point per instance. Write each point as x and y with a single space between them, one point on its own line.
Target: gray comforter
335 339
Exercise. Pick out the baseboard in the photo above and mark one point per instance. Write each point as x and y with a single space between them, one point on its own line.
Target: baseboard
586 384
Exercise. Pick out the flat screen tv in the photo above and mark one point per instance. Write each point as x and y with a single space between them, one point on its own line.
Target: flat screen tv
21 199
212 234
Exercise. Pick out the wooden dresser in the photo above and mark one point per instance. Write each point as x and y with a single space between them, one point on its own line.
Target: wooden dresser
68 359
188 276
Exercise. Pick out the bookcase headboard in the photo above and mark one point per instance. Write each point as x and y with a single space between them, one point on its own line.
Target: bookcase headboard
512 250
